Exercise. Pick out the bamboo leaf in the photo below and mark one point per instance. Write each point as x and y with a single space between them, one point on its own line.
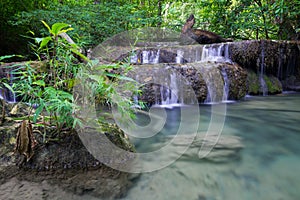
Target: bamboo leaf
8 86
39 83
38 112
47 26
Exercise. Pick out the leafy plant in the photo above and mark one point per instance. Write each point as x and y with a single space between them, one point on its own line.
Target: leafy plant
109 86
48 86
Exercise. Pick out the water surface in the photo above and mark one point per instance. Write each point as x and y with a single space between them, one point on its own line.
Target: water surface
266 168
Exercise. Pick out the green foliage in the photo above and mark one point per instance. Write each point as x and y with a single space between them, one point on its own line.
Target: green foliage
239 19
91 23
95 21
109 87
48 86
273 84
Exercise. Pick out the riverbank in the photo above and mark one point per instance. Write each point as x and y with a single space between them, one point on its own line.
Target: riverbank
61 168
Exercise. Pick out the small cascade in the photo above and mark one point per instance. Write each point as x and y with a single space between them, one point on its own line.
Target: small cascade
226 85
216 52
133 58
179 57
150 57
5 93
219 53
136 102
263 84
170 96
213 80
146 57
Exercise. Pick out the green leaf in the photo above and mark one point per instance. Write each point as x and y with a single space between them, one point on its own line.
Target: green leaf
38 40
39 83
38 112
45 41
5 57
45 24
8 86
57 27
65 30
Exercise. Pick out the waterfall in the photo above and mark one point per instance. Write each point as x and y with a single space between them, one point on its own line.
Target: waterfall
215 52
146 57
150 56
179 57
5 93
263 84
170 96
226 85
134 58
219 53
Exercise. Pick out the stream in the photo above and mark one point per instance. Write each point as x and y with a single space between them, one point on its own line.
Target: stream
266 168
263 164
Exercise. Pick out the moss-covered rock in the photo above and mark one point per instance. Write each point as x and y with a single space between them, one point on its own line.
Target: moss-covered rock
273 84
253 84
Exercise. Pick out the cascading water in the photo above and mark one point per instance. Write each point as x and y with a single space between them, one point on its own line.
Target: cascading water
171 96
219 53
7 94
150 57
263 84
216 52
213 79
179 57
147 57
226 85
281 55
213 57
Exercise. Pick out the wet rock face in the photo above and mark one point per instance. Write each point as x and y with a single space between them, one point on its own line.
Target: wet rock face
160 83
278 58
176 83
237 78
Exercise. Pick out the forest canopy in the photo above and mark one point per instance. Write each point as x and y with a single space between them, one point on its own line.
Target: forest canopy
94 21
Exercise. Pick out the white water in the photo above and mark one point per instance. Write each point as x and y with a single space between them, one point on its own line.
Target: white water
219 53
148 57
172 96
215 52
179 57
171 92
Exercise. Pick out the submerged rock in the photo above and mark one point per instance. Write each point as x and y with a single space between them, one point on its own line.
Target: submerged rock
213 147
